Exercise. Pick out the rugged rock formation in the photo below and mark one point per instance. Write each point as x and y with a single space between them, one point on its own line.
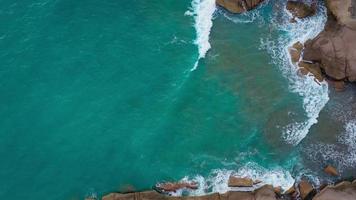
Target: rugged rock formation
264 193
238 6
300 9
335 47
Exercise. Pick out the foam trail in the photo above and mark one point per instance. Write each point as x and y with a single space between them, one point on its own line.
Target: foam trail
203 11
217 181
314 96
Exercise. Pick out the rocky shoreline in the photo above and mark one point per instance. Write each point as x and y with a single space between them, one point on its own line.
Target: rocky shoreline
330 56
344 190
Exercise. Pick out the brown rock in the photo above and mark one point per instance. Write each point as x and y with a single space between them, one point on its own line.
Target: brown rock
313 68
214 196
300 9
240 182
255 182
238 6
335 47
295 51
265 193
118 196
278 190
331 170
347 192
237 195
305 188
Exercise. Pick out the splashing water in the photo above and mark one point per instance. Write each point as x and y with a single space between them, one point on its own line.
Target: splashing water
203 11
314 96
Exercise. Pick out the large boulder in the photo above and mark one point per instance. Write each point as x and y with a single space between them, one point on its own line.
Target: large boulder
305 188
265 193
342 191
300 9
238 6
335 47
240 182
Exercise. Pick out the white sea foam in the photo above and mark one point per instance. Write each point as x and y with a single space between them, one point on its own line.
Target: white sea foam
203 11
217 181
315 96
343 152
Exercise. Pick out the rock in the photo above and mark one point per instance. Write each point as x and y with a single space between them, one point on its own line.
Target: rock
119 196
313 68
240 182
331 170
150 195
300 9
278 190
238 6
255 182
295 51
172 187
214 196
265 193
335 47
305 188
342 184
237 195
290 191
347 192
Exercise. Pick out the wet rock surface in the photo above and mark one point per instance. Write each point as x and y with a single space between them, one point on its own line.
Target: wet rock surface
299 9
238 6
335 47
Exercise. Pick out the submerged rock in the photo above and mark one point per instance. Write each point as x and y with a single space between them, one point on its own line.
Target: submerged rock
240 182
300 9
331 170
238 6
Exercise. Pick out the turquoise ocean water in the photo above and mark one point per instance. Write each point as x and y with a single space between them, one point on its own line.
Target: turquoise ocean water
99 96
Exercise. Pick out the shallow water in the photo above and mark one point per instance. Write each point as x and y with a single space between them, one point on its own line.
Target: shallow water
100 97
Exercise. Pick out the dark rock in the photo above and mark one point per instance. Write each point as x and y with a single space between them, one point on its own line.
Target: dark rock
300 9
240 182
238 6
290 191
331 170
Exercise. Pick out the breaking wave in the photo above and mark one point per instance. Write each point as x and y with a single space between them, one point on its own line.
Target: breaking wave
217 181
315 95
203 11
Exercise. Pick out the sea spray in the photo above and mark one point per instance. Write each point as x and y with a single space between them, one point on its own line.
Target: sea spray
314 96
202 11
218 179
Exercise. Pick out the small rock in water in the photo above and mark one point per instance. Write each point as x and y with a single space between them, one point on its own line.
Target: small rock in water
305 188
240 182
331 170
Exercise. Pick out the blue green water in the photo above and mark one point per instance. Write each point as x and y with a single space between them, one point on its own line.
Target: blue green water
98 96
